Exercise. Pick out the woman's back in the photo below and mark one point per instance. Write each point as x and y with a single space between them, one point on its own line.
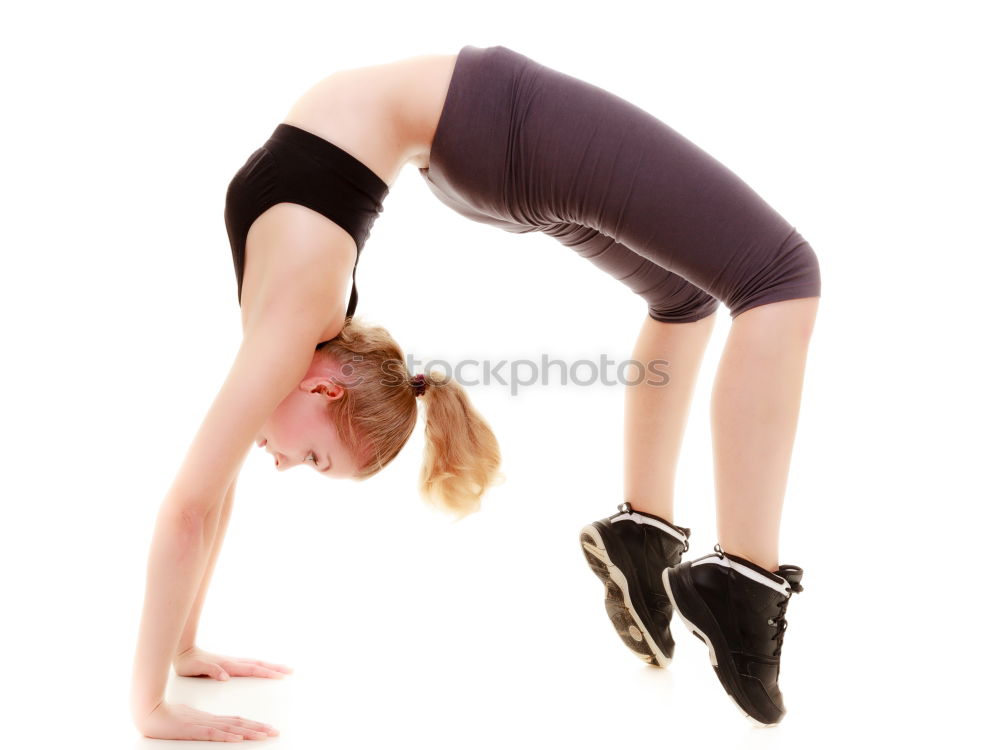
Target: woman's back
384 116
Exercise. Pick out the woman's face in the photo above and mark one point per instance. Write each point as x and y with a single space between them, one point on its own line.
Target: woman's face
299 431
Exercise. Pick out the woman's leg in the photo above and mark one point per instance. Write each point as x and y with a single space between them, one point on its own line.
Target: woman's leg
655 414
676 330
755 409
592 168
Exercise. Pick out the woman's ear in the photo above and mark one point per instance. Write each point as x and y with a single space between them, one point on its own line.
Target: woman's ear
324 386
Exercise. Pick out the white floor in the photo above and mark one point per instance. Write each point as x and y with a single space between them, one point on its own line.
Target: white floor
407 631
490 635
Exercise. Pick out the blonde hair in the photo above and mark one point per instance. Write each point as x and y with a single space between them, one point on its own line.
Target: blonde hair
378 412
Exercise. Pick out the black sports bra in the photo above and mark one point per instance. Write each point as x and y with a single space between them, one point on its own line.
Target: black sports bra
296 166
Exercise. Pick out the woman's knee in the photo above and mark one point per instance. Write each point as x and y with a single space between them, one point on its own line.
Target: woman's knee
793 273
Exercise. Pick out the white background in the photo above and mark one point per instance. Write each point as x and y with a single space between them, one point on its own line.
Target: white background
869 126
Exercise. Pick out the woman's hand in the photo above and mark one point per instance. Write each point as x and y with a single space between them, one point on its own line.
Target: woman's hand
175 721
195 662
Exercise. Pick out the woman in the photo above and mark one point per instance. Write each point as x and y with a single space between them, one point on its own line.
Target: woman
506 141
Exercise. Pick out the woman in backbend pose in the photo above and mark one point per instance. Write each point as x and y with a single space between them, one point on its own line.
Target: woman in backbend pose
506 141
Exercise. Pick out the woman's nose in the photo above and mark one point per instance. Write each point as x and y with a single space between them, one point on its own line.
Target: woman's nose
279 460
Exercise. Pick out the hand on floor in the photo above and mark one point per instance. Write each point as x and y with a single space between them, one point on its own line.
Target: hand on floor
176 721
195 662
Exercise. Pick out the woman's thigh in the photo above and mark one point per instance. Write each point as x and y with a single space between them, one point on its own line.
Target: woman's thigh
582 156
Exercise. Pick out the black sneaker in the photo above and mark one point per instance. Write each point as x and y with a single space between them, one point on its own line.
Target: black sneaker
628 552
738 610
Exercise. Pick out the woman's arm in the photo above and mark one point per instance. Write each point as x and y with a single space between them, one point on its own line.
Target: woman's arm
176 563
219 522
276 351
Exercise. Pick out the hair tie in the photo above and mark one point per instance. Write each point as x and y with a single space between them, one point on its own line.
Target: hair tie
419 385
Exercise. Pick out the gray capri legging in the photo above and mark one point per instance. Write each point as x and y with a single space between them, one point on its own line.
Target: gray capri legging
525 148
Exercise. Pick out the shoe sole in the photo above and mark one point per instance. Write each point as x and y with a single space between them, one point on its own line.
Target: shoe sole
687 604
617 601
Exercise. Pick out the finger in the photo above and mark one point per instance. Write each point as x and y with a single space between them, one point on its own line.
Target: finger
240 721
245 731
266 664
206 669
275 667
239 669
238 727
216 735
265 672
192 667
245 669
